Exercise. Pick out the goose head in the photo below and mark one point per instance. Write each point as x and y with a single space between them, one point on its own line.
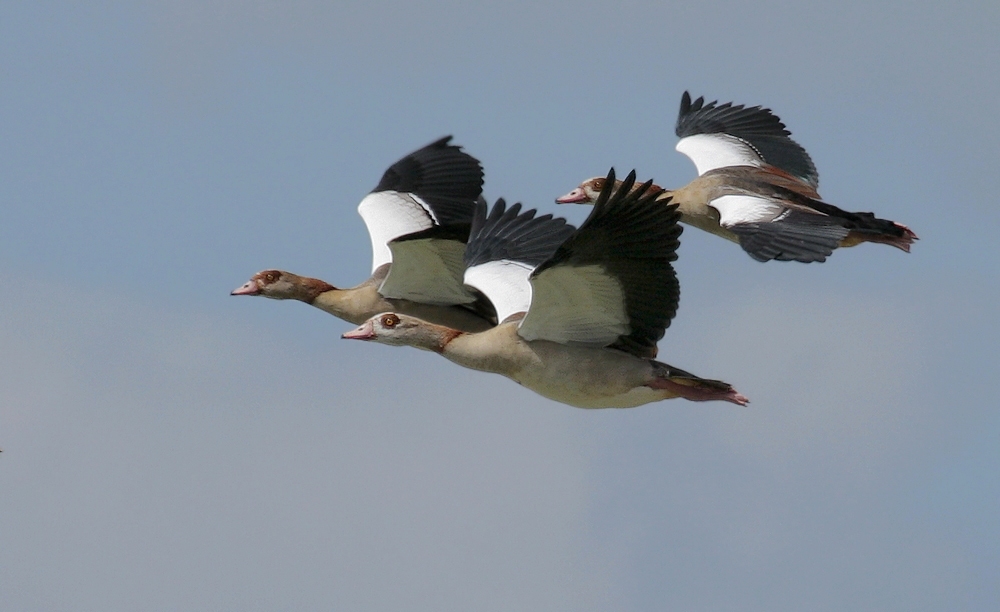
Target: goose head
586 193
402 330
279 285
590 190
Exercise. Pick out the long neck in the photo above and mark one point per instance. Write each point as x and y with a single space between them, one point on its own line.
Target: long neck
494 350
423 335
359 303
354 305
498 350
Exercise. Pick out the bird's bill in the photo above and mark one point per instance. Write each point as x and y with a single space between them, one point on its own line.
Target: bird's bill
365 332
249 288
577 196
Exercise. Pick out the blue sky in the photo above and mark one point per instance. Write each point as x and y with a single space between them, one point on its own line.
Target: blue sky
167 446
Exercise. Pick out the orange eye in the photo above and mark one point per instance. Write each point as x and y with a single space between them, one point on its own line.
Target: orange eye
599 184
389 321
269 277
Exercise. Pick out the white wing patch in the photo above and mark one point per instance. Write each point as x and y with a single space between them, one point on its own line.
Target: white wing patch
734 209
711 151
505 283
389 215
427 271
576 304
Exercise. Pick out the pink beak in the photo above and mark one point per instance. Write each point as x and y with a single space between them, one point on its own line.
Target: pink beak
577 196
365 332
248 288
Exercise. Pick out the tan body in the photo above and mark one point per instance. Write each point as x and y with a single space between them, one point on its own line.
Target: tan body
581 376
580 325
694 200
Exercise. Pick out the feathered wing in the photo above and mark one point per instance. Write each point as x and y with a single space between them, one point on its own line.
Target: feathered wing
768 229
781 222
504 247
433 188
796 237
717 135
611 282
427 267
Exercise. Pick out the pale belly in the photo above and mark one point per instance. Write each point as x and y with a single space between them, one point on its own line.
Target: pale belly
588 378
579 376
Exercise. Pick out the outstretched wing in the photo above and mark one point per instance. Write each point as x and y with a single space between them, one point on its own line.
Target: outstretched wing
504 247
717 135
796 236
611 282
435 187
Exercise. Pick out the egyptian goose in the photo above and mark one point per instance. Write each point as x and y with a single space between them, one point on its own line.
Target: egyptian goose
757 187
418 218
580 328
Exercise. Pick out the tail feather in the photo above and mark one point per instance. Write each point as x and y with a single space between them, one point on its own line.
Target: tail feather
862 226
895 234
694 388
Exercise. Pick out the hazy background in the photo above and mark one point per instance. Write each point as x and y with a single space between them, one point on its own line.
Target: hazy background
169 447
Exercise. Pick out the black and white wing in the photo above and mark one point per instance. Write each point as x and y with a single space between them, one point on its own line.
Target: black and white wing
504 247
803 237
717 135
611 282
769 229
434 187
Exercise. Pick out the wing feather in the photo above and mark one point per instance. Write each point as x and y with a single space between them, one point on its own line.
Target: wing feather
717 135
611 282
504 247
435 186
390 215
576 305
796 236
735 209
427 270
447 180
505 283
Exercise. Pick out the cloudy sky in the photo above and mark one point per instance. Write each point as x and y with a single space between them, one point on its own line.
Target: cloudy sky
169 447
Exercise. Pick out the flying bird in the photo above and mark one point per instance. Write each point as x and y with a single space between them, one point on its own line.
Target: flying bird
418 217
758 187
581 326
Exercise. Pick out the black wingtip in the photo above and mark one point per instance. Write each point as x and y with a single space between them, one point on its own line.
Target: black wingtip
758 126
609 186
688 106
633 236
629 180
508 233
612 192
479 216
445 177
627 191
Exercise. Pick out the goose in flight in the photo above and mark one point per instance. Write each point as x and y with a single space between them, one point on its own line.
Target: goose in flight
581 327
418 218
757 187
